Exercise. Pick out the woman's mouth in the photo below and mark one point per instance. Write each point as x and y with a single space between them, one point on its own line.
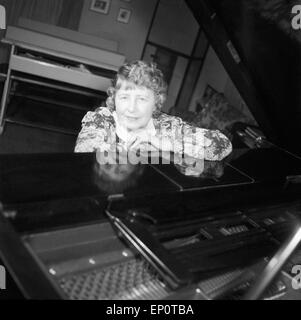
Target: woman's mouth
129 118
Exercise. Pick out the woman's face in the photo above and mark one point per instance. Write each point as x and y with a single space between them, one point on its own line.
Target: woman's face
134 106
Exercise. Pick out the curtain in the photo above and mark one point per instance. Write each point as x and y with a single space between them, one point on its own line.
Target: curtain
64 13
71 14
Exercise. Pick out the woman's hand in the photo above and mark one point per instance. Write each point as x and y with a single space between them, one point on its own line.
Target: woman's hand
153 143
112 155
196 138
190 166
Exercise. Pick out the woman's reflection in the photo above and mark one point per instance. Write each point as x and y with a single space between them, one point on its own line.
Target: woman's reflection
205 170
114 178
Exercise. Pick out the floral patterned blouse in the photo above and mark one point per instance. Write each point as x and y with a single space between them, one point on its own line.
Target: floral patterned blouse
99 132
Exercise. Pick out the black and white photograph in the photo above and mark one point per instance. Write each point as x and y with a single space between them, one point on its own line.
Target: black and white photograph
124 15
101 6
150 150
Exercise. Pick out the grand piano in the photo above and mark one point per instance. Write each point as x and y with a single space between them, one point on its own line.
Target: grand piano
71 228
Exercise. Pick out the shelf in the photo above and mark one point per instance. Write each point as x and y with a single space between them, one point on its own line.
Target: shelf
40 126
56 72
49 101
44 115
57 85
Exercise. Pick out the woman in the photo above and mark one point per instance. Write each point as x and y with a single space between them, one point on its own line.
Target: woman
132 120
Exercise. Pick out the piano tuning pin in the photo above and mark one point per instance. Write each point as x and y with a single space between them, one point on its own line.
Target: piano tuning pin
10 214
125 253
52 271
140 215
213 15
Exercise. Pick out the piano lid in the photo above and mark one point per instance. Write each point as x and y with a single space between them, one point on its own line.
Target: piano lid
260 50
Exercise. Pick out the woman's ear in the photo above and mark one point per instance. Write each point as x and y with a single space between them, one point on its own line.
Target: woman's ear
156 112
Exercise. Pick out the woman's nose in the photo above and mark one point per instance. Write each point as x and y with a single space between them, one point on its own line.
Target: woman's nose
132 105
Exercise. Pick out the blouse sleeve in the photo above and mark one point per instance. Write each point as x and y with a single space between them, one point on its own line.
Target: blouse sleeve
95 132
204 144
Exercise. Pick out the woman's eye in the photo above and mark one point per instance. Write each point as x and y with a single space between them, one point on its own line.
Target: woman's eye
123 97
142 99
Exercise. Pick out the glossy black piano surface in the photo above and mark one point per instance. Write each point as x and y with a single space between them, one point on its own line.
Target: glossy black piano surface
60 210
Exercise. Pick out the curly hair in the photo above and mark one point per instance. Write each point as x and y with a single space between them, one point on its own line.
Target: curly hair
141 74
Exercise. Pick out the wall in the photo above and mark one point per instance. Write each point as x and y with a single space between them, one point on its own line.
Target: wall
234 98
174 26
213 74
132 36
68 34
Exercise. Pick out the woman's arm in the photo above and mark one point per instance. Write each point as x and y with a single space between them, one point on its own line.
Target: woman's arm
183 138
205 144
177 136
96 132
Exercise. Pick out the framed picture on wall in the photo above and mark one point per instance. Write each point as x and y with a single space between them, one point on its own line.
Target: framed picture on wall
101 6
124 15
202 102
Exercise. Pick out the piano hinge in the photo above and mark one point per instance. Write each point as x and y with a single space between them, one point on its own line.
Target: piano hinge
115 197
233 52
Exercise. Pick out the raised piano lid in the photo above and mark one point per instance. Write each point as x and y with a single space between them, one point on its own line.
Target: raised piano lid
260 50
64 48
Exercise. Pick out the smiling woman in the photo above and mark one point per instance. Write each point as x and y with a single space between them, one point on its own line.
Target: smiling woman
132 120
134 106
